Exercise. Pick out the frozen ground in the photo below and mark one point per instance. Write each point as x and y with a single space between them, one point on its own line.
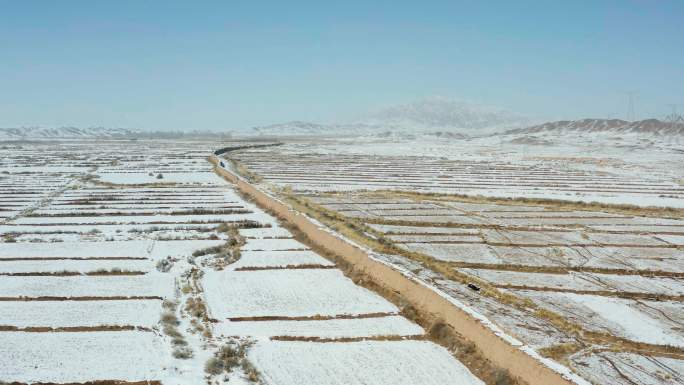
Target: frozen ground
81 357
71 312
280 259
330 328
288 293
152 285
56 314
593 167
374 363
613 271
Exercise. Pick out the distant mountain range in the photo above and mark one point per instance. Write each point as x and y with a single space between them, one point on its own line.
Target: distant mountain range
423 116
65 133
645 127
25 133
434 116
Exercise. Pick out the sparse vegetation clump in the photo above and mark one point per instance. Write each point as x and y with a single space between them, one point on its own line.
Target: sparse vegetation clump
170 322
9 238
227 253
165 265
195 307
230 357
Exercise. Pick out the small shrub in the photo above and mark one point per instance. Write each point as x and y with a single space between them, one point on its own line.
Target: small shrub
169 318
250 371
160 176
182 352
213 366
169 305
164 265
171 331
229 356
503 377
196 307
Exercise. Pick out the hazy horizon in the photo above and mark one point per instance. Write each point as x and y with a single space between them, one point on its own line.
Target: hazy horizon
227 66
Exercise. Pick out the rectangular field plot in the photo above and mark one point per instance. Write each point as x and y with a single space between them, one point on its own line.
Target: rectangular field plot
535 237
646 259
181 248
532 215
108 229
357 363
289 293
124 219
470 253
267 232
175 177
273 244
331 328
65 211
629 369
113 249
412 213
151 285
672 239
642 321
406 230
495 208
76 266
58 314
464 238
582 281
454 219
80 357
279 259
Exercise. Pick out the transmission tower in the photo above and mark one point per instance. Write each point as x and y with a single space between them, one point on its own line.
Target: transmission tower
631 115
674 117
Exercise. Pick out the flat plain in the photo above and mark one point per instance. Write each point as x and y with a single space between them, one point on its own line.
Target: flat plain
131 262
579 258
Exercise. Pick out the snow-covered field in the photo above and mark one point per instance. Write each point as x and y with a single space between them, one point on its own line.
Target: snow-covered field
594 167
151 285
614 271
81 357
615 274
280 259
76 266
56 314
103 250
374 363
108 273
288 293
329 328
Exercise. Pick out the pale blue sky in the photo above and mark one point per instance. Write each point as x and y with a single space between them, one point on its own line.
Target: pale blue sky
229 64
